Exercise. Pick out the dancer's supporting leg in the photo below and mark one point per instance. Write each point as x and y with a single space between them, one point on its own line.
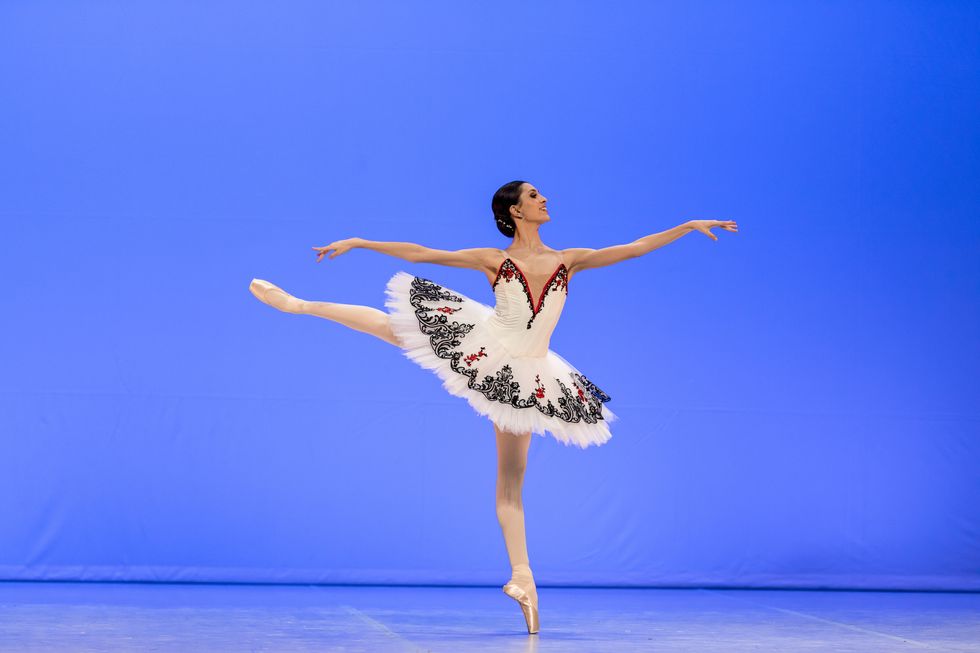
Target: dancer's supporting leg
360 318
511 463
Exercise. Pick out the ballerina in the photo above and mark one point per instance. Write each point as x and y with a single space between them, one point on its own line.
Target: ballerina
497 358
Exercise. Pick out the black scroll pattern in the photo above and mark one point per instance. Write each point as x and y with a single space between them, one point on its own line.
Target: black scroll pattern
584 403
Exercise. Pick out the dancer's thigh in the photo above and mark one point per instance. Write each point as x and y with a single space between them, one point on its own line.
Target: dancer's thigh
512 449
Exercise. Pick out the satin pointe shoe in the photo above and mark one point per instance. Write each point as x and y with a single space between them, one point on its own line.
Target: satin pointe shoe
274 296
530 610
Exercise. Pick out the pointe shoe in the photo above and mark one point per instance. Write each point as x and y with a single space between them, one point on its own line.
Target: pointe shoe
274 296
529 609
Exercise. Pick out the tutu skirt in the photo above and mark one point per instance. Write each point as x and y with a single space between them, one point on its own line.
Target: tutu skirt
452 335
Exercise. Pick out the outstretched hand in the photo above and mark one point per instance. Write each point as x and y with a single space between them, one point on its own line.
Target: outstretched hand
340 246
704 226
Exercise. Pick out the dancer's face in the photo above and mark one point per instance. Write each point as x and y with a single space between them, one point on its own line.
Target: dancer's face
531 207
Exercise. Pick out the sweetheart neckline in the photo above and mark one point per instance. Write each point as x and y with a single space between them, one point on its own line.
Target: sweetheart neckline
527 283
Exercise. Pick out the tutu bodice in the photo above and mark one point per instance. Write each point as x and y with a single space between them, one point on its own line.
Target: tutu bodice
524 318
498 358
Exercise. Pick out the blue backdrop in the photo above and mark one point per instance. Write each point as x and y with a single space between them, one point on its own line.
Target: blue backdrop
798 402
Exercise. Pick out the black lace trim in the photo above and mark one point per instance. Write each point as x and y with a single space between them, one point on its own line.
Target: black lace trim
582 404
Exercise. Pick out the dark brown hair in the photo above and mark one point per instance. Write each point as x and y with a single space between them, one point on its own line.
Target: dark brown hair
506 196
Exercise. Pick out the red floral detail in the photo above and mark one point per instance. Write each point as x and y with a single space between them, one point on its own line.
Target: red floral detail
560 280
581 395
539 389
447 309
472 357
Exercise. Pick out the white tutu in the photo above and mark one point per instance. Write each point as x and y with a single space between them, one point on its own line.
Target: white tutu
497 359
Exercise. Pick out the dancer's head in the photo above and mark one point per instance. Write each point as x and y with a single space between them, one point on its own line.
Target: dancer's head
518 201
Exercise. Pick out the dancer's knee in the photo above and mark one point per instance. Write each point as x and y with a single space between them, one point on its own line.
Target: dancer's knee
509 507
510 483
511 470
383 330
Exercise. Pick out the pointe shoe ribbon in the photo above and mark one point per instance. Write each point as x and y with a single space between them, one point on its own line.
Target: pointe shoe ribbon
524 599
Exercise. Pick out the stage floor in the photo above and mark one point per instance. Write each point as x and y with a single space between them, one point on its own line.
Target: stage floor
185 618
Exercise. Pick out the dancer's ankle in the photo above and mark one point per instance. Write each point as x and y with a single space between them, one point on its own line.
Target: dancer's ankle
299 306
522 572
289 303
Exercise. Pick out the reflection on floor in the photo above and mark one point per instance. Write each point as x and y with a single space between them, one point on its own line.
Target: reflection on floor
186 618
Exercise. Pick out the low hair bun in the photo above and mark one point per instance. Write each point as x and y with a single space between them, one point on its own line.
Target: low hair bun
505 225
506 196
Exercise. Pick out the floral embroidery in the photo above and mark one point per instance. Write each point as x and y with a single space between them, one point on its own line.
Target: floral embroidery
539 389
445 337
447 309
559 280
472 357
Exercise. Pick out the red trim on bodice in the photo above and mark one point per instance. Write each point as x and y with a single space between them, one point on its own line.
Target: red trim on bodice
527 285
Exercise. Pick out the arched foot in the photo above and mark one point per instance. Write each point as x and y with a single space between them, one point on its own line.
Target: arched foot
276 297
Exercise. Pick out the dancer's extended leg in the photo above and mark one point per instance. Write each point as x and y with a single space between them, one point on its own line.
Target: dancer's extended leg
360 318
511 463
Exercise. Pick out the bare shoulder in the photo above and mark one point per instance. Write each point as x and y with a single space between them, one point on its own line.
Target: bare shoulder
491 258
487 259
477 258
573 257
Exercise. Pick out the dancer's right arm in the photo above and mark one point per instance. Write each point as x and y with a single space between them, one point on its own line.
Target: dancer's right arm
477 258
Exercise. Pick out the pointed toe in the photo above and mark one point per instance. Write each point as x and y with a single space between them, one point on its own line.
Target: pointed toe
529 609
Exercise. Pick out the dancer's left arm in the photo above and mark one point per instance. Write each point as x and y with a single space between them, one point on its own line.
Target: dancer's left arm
583 258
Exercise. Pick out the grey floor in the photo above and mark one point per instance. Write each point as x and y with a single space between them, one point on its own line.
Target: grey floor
55 617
